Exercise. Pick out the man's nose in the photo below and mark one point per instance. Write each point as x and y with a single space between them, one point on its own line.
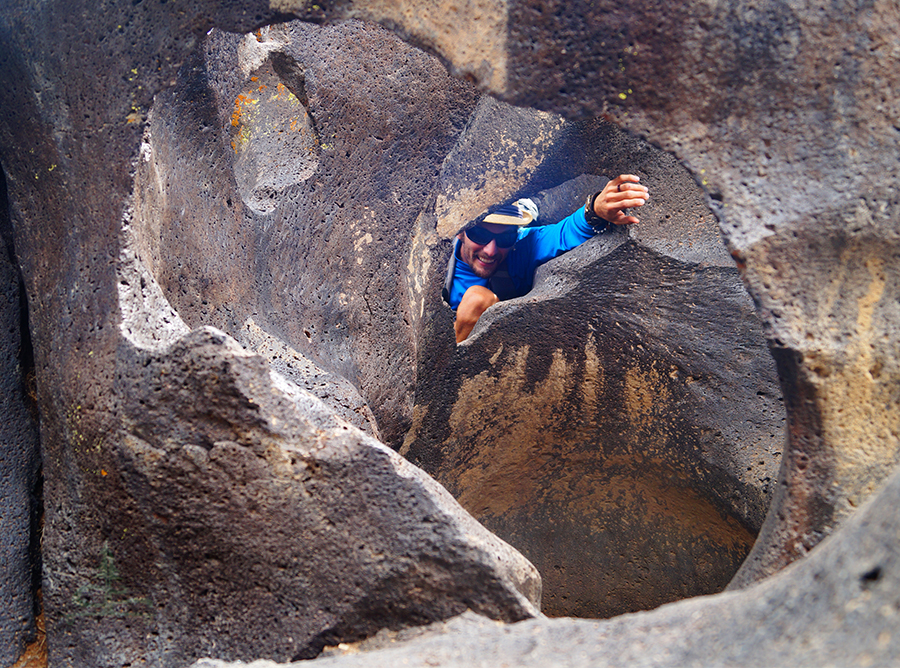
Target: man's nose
491 248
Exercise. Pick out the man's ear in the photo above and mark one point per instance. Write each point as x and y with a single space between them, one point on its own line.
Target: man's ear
460 236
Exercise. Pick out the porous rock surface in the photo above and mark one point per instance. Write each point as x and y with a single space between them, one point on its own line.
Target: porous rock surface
218 450
315 257
198 501
838 607
786 113
789 116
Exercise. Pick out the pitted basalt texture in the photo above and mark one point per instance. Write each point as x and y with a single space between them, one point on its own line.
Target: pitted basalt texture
622 423
836 607
786 114
175 521
323 263
19 460
257 499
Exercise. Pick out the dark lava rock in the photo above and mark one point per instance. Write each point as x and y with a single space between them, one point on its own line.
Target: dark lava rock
788 116
314 246
248 495
19 461
837 607
197 501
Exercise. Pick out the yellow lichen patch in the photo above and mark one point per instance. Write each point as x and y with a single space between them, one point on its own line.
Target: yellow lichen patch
136 115
242 138
283 94
860 417
251 109
240 107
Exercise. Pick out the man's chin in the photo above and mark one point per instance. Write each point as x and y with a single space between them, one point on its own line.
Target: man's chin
485 272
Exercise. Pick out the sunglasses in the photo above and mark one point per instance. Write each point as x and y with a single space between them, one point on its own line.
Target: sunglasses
483 237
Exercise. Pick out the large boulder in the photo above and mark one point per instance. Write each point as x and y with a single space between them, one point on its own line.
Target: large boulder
246 494
838 607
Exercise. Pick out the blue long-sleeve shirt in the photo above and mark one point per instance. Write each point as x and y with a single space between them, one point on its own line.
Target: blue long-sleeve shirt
534 247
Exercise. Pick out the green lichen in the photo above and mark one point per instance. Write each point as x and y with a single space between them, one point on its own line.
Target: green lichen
105 596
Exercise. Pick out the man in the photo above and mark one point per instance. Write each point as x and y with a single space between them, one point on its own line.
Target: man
496 258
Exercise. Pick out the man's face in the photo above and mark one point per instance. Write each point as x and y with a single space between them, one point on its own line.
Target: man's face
484 260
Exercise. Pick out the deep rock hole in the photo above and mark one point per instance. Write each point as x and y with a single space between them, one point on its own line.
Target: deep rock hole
667 487
604 425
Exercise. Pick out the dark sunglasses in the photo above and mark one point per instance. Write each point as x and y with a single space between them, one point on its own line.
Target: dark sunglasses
483 237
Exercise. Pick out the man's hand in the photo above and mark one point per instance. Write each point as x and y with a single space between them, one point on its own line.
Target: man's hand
476 300
623 192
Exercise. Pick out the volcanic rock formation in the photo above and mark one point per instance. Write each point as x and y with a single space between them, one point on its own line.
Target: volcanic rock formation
232 237
192 484
621 424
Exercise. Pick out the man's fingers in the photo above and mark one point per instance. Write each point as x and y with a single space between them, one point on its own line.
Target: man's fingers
628 198
632 201
633 188
620 194
623 179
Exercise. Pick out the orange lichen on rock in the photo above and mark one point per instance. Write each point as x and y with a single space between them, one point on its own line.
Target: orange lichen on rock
238 109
